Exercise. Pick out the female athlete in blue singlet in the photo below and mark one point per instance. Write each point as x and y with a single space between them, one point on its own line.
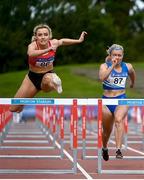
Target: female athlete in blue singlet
41 55
114 74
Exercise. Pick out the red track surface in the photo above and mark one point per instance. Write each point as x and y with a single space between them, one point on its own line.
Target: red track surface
88 166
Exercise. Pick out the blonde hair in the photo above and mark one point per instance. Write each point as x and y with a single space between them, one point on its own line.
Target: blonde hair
114 47
39 27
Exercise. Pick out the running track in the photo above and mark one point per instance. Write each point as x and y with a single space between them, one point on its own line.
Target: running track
29 134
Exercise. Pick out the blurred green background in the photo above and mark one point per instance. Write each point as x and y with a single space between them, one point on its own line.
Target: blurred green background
79 81
106 21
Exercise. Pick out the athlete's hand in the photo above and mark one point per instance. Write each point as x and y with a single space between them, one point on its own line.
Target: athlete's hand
114 62
131 85
82 36
52 48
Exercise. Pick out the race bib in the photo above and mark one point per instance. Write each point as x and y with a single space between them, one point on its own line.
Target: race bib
118 81
44 62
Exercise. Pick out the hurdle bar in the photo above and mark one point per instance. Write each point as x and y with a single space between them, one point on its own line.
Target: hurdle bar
128 102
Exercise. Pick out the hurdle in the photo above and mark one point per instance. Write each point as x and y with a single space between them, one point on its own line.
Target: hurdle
94 133
16 134
5 117
89 118
43 114
45 125
84 132
138 126
124 146
45 101
129 102
82 127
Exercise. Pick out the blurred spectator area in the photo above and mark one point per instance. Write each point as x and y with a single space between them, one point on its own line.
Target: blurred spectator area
28 113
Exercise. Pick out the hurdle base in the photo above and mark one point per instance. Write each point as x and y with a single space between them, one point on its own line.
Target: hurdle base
121 172
38 171
114 158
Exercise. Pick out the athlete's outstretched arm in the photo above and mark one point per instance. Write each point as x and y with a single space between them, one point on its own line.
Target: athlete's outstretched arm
67 41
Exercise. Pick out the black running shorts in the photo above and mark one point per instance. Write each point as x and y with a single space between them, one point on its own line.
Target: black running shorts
36 78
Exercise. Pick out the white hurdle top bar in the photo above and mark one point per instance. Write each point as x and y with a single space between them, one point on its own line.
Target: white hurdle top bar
69 101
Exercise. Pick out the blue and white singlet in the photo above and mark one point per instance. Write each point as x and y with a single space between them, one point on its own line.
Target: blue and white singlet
116 80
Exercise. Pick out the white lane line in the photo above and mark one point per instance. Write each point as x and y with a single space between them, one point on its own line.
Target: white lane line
139 152
131 149
71 159
113 142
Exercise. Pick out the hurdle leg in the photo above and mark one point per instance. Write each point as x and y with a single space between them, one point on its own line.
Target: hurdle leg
143 143
71 128
62 148
62 129
99 136
75 160
99 161
83 149
125 141
84 109
0 138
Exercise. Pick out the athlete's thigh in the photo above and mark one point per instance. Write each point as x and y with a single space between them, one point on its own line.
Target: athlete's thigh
27 89
107 118
121 111
46 84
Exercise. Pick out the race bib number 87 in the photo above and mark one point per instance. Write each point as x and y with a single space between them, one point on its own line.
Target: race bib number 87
118 81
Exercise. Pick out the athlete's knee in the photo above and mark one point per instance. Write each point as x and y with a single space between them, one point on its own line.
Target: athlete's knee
16 108
46 82
51 82
118 122
46 79
118 119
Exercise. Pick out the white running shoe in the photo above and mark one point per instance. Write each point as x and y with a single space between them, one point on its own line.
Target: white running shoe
58 83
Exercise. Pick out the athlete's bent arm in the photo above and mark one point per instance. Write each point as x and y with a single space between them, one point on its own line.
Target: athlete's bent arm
104 71
32 51
132 75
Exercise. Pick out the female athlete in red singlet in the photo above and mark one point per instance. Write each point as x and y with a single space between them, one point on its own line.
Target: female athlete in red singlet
41 55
